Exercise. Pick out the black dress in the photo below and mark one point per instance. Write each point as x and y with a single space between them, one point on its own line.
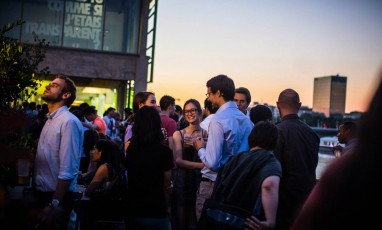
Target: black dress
186 183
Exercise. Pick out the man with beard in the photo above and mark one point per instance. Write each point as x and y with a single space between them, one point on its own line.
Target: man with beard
58 156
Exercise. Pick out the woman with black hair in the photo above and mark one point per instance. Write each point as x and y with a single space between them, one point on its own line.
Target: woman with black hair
103 188
148 163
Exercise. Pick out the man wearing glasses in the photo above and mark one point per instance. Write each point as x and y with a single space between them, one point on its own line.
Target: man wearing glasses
228 133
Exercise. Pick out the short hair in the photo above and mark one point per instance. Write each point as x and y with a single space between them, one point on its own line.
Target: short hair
166 101
69 87
260 113
196 103
209 106
90 110
178 109
140 98
246 92
224 84
264 135
289 97
351 126
108 111
127 110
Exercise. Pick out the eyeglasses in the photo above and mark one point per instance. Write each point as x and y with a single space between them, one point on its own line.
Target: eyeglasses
191 111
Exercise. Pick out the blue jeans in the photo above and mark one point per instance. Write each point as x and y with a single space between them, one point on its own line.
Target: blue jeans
148 224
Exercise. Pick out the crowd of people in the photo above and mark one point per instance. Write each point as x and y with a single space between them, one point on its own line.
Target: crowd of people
193 167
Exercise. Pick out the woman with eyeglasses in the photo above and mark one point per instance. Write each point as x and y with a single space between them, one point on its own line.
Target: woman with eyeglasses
186 175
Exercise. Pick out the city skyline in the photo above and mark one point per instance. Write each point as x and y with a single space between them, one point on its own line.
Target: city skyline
267 47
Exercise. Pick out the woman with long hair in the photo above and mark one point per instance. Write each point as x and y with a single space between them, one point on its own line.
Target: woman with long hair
187 174
140 99
148 163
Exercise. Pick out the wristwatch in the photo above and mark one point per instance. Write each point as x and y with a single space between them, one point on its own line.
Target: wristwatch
55 202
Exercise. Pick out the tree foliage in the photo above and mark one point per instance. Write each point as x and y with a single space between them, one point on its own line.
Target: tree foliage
19 66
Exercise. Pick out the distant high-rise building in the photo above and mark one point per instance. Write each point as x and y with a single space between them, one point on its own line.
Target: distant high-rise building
329 95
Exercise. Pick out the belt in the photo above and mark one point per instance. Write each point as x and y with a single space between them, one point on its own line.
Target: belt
207 180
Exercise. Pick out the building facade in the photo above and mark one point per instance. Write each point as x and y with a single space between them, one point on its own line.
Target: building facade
100 44
329 95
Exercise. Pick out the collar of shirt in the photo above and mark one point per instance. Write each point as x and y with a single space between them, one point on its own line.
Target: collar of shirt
228 104
57 112
290 116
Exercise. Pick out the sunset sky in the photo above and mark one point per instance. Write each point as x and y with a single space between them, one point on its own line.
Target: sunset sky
268 46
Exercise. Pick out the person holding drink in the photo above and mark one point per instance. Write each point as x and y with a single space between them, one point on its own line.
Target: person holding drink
187 175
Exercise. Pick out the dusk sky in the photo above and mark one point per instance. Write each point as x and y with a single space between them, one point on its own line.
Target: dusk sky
268 46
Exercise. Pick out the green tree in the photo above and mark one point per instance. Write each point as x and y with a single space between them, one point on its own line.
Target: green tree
19 66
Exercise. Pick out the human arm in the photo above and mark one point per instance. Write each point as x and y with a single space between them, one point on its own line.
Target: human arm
171 127
99 177
91 126
128 135
269 199
167 188
92 168
211 154
178 154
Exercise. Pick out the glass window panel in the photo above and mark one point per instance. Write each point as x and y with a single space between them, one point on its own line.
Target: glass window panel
83 24
43 17
133 24
114 25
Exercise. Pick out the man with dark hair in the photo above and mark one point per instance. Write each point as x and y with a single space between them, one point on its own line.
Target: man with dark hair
347 136
227 135
167 105
98 124
108 117
297 151
209 113
243 99
58 155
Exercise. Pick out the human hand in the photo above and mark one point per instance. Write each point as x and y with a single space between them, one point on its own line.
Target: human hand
50 217
188 140
198 143
337 150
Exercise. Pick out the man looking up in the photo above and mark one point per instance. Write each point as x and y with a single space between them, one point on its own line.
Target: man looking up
228 133
58 154
297 151
242 99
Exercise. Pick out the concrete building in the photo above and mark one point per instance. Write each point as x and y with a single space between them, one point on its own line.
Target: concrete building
329 95
106 47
